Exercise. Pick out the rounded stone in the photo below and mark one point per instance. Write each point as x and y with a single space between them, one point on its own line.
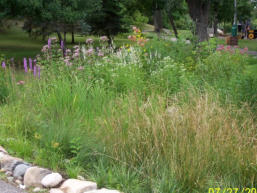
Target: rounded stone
34 176
51 180
56 190
20 170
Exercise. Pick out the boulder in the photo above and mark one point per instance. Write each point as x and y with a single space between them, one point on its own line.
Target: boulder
3 150
56 190
20 170
34 176
51 180
10 179
8 163
103 191
77 186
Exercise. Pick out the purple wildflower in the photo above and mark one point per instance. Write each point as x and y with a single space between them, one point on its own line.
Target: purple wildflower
49 43
62 44
35 71
38 69
104 38
25 65
3 64
30 64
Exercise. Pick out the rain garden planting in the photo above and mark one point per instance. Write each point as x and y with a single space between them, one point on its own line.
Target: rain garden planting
151 116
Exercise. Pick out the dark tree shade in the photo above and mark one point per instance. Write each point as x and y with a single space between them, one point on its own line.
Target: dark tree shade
108 20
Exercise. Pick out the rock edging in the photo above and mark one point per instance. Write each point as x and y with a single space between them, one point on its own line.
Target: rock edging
26 175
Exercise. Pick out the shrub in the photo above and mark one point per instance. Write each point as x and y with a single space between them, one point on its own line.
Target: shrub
221 66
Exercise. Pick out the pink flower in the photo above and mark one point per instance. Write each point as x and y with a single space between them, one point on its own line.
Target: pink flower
104 38
81 68
228 48
90 51
54 39
100 53
75 55
45 48
76 47
21 82
89 41
66 60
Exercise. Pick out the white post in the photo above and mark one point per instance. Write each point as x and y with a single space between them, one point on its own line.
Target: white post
235 12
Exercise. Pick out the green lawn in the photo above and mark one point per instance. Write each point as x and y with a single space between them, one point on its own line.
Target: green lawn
251 44
16 43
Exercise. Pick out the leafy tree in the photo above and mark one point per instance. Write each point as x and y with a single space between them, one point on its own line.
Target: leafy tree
109 19
175 9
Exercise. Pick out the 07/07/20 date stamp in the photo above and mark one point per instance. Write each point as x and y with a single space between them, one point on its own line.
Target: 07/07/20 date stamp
232 190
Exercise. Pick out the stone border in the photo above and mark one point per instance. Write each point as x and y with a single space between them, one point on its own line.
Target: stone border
25 175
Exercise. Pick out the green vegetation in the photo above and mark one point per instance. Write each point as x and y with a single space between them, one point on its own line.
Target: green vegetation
133 112
160 117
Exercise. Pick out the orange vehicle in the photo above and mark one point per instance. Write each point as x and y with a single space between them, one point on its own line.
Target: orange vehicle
251 34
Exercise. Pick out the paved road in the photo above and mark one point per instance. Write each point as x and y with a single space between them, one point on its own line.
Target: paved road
7 188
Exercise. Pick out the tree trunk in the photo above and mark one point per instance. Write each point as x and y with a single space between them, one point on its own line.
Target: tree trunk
157 21
64 37
173 26
59 35
199 12
215 26
72 36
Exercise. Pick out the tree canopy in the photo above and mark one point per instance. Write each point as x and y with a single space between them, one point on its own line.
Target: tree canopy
110 17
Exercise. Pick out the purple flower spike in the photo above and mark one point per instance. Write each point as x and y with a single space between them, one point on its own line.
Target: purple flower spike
30 64
38 71
49 43
25 65
62 45
3 64
35 71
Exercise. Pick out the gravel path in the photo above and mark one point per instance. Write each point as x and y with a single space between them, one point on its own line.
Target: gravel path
7 188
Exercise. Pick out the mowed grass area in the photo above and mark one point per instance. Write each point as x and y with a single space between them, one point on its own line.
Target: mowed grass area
16 43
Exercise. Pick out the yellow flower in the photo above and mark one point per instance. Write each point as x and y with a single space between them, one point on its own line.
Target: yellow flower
55 144
37 136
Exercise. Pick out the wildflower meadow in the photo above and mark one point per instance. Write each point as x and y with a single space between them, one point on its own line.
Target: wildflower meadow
149 116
